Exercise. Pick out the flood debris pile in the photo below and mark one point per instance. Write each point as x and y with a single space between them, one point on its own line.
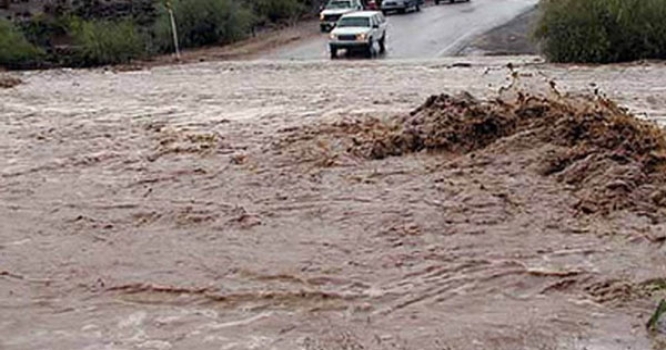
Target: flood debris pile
174 141
612 159
331 144
7 82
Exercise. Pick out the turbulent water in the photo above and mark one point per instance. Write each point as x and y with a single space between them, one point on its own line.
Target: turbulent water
192 207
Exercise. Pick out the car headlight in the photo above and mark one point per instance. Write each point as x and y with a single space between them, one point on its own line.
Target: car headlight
321 16
332 36
361 37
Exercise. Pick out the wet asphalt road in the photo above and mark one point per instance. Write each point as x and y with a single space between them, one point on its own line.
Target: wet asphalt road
436 31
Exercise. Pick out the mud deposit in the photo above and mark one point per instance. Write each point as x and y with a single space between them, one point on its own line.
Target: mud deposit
7 82
326 206
614 160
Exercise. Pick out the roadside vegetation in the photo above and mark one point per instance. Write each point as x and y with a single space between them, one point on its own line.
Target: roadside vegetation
94 33
203 22
15 50
602 31
106 42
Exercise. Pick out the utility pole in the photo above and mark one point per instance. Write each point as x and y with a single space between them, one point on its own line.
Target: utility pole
169 7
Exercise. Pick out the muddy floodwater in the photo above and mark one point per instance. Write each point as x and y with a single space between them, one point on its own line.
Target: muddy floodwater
196 207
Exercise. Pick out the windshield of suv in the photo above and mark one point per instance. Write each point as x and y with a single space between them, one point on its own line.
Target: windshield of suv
354 22
338 5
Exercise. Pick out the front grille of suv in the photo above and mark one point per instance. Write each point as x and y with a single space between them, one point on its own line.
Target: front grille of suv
347 37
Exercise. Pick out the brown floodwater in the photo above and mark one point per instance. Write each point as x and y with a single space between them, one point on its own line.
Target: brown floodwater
192 207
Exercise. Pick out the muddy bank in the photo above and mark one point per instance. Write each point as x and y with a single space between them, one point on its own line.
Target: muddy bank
513 38
226 205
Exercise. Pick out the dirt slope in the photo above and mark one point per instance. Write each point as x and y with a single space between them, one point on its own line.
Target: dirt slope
513 38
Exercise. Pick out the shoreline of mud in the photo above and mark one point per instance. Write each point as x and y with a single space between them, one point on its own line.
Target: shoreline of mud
510 39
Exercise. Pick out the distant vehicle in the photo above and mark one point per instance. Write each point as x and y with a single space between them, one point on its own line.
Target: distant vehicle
449 1
332 12
371 5
401 6
359 31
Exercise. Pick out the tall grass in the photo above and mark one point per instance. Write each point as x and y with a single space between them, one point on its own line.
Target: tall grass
15 50
602 31
106 42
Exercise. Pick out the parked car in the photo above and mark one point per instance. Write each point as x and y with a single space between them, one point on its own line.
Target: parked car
449 1
401 6
334 9
359 31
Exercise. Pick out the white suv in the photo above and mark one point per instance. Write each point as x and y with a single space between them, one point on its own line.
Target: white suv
335 9
359 31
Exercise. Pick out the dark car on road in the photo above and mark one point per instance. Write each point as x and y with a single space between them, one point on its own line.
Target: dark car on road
401 6
437 2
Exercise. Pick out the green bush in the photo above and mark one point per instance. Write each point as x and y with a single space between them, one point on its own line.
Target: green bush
203 22
602 31
278 10
15 50
41 29
105 42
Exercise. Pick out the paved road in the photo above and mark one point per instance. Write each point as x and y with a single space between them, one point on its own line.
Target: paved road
436 31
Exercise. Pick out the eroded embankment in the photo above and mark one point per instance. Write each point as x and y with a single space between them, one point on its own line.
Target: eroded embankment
612 159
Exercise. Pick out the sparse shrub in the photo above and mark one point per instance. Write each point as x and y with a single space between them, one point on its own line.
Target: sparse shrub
40 30
203 22
105 42
142 12
278 10
602 31
15 50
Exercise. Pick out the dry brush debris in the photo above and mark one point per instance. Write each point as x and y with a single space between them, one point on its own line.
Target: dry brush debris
612 159
7 82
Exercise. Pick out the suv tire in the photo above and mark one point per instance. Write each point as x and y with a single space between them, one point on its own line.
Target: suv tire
369 50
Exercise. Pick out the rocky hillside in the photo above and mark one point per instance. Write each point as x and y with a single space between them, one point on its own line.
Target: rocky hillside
26 9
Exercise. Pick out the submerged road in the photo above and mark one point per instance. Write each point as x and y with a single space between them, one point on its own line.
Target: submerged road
434 32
